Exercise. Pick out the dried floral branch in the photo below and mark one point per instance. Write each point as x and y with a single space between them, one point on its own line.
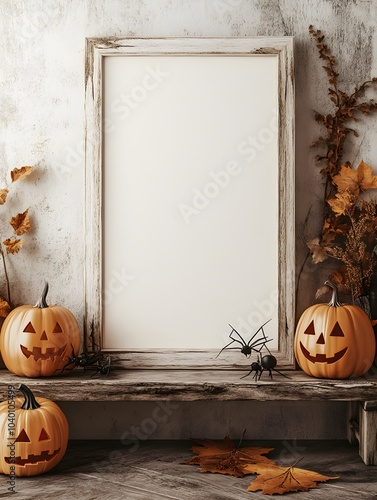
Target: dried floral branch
21 224
346 107
349 228
6 275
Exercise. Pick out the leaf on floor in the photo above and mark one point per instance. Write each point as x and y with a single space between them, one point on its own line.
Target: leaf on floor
223 457
274 479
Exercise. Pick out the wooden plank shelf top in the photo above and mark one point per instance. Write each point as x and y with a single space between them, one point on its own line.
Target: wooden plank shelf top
194 385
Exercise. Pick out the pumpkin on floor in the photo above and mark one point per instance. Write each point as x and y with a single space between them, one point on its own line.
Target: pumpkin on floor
36 439
334 340
38 341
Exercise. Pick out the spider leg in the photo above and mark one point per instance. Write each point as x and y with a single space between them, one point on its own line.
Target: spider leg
235 340
247 374
259 329
230 343
280 373
95 373
259 342
69 363
226 347
64 369
240 336
269 352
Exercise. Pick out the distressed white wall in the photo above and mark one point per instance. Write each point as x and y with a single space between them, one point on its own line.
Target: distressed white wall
41 114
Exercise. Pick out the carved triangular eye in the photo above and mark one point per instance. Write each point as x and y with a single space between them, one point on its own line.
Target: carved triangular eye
22 437
44 436
337 331
29 328
57 329
310 330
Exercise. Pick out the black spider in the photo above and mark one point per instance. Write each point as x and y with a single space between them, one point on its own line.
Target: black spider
89 361
104 366
253 345
267 362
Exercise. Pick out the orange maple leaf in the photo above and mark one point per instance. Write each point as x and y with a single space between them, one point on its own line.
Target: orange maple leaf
357 180
4 308
347 180
13 245
3 196
339 278
275 479
365 177
319 253
222 457
20 173
21 223
342 202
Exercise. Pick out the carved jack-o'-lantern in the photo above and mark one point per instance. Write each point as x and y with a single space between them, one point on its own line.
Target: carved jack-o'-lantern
334 340
37 439
38 341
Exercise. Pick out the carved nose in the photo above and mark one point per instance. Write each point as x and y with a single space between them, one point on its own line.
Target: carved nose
44 336
321 339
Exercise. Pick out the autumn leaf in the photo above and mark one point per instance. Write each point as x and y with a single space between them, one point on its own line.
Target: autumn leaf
4 308
337 277
21 223
20 173
13 245
3 196
222 457
275 479
365 177
328 236
341 203
357 180
318 252
347 180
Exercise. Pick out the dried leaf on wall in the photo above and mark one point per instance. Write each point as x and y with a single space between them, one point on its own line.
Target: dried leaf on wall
4 308
13 245
18 174
3 196
21 223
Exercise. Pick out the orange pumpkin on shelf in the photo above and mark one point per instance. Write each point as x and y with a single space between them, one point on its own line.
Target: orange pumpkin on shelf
38 341
334 340
38 439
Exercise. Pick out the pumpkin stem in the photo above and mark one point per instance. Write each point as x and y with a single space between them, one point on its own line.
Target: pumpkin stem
42 304
30 402
334 302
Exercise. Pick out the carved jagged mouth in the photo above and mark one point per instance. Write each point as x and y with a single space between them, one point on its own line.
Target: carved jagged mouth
45 456
50 353
322 358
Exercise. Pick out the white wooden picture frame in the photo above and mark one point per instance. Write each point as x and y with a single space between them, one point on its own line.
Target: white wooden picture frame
189 198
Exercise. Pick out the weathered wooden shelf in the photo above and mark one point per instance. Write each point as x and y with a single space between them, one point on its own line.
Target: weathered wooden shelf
194 385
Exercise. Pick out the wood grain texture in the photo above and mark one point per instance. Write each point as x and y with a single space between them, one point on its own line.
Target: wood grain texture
368 435
193 385
179 359
96 49
107 470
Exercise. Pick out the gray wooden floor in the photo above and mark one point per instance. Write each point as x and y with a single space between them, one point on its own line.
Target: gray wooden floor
107 470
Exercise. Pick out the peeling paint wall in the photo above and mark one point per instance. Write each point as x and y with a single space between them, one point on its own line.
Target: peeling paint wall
41 107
